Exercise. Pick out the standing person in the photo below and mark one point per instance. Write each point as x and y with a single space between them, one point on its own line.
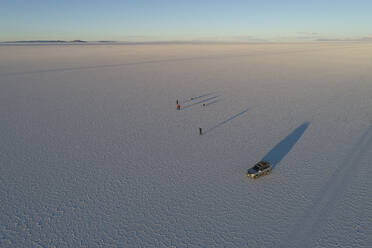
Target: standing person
200 131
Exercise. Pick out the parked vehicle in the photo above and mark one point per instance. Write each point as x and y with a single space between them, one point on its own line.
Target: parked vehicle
259 169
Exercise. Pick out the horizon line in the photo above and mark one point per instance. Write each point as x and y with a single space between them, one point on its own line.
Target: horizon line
192 41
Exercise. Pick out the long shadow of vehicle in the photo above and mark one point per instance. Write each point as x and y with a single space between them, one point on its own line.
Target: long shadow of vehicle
283 147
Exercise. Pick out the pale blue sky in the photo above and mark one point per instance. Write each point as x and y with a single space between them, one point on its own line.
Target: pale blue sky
140 20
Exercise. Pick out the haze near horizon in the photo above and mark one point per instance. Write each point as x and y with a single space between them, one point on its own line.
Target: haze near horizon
192 20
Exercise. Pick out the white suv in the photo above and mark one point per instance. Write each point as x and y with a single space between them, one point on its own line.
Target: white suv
260 169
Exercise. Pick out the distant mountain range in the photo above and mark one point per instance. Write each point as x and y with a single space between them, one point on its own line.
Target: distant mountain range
45 41
348 39
362 39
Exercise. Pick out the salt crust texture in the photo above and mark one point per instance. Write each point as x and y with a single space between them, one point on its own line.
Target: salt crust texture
93 152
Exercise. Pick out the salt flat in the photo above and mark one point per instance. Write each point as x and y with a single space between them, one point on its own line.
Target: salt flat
95 154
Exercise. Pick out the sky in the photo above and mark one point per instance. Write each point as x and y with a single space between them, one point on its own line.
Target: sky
161 20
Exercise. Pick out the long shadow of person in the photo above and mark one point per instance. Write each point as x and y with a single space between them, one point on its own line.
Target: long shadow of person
283 147
202 101
226 121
